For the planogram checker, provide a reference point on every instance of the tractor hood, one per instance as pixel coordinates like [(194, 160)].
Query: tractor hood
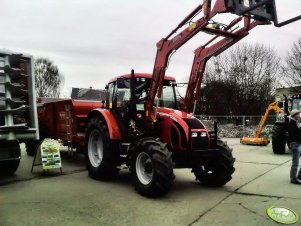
[(174, 113)]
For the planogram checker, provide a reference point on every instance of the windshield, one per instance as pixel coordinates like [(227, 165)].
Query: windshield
[(296, 104), (168, 95), (123, 94)]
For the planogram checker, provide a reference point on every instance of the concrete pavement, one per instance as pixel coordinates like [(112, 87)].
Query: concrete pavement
[(261, 180)]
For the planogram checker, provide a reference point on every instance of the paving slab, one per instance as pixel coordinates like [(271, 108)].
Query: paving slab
[(246, 173), (274, 183), (70, 164), (244, 210), (258, 154), (76, 199)]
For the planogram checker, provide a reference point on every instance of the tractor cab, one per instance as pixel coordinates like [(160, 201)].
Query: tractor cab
[(296, 101), (126, 97)]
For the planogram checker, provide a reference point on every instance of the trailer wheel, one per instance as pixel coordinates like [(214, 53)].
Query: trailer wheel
[(218, 172), (101, 158), (152, 167), (32, 145), (278, 139), (10, 151)]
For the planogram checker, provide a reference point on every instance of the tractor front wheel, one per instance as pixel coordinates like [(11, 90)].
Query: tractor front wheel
[(217, 172), (152, 167), (10, 154)]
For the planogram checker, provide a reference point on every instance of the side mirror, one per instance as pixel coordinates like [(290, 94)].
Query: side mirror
[(107, 87), (103, 104)]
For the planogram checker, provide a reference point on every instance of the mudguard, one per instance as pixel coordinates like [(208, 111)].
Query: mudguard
[(110, 120)]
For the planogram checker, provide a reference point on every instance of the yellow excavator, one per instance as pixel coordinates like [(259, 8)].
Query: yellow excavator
[(257, 140)]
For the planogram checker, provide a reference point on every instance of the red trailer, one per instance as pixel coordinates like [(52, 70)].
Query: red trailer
[(63, 119)]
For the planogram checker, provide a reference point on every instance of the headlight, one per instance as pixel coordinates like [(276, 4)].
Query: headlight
[(203, 134), (194, 135)]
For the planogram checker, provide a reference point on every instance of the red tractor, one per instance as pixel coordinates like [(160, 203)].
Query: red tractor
[(119, 135), (141, 124)]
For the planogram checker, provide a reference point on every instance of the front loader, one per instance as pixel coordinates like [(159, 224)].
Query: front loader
[(141, 124)]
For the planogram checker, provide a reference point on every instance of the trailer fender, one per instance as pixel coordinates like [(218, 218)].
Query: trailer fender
[(110, 120)]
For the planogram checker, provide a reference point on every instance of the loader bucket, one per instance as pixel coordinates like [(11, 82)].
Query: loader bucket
[(264, 10)]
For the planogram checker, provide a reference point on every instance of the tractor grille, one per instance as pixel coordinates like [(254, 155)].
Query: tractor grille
[(199, 143)]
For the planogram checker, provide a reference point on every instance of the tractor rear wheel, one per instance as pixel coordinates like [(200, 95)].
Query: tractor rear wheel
[(152, 167), (100, 156), (10, 151), (216, 173), (278, 139)]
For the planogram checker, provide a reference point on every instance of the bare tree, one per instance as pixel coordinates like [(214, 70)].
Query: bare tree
[(250, 73), (292, 67), (213, 101), (48, 78)]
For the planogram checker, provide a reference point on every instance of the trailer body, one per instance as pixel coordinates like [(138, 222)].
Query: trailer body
[(65, 119)]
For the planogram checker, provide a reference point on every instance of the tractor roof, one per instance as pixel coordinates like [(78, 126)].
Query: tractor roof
[(296, 96), (140, 75)]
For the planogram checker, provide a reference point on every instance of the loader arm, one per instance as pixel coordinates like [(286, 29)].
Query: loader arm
[(167, 45), (204, 53), (260, 11)]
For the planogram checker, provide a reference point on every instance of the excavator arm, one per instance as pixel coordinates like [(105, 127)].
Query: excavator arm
[(271, 107), (259, 11), (257, 140)]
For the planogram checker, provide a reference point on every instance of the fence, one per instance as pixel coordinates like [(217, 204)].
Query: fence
[(238, 126)]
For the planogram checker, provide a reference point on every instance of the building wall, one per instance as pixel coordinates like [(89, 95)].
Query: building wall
[(289, 91)]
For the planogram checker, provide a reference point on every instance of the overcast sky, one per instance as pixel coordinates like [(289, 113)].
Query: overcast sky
[(93, 40)]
